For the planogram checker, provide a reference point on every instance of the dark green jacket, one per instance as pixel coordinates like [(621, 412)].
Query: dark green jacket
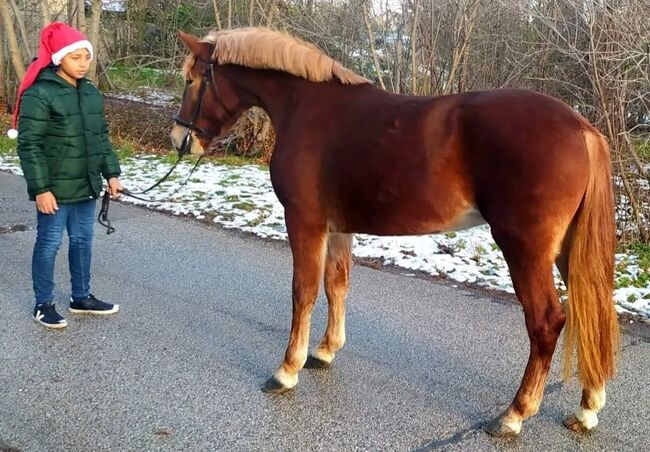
[(63, 141)]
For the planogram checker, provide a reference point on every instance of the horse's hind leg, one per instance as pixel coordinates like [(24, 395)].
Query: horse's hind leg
[(337, 280), (593, 399), (307, 239), (531, 270)]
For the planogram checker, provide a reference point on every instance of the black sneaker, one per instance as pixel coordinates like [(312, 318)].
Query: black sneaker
[(92, 305), (46, 315)]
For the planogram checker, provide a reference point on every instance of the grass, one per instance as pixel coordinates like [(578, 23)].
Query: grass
[(7, 145), (130, 78), (643, 251), (643, 151), (245, 206), (640, 279), (231, 160), (124, 148)]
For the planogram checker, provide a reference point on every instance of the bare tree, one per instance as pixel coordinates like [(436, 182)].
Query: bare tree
[(3, 93), (81, 16), (45, 12), (93, 36), (371, 41), (28, 45), (14, 49), (217, 16)]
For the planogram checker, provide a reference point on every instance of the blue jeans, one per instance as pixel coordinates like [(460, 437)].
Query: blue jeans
[(79, 220)]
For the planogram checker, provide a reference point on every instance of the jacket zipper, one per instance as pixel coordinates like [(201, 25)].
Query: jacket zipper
[(83, 125)]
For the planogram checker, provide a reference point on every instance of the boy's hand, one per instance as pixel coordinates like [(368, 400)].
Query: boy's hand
[(114, 187), (46, 203)]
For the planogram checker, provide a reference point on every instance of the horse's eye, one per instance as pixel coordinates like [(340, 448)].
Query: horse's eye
[(188, 82)]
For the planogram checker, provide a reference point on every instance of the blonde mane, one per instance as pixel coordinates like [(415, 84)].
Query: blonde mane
[(262, 48)]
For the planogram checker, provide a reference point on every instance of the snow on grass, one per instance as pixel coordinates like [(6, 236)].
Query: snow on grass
[(149, 96), (242, 197)]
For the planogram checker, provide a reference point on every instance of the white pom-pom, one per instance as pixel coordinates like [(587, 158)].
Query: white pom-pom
[(12, 133)]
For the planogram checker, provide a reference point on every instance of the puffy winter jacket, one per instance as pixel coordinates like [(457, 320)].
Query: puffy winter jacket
[(63, 141)]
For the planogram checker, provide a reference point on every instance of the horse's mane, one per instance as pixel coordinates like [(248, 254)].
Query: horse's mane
[(262, 48)]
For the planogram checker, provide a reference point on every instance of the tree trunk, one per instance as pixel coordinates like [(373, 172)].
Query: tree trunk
[(371, 41), (45, 12), (18, 19), (271, 14), (14, 49), (414, 60), (81, 16), (93, 36), (217, 17), (72, 13), (229, 14), (3, 76)]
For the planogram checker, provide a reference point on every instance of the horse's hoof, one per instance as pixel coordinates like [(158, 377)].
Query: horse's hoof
[(316, 363), (573, 423), (500, 429), (273, 386)]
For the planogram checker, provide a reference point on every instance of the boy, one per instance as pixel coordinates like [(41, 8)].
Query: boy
[(64, 151)]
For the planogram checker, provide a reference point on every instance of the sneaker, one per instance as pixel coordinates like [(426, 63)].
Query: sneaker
[(46, 315), (91, 305)]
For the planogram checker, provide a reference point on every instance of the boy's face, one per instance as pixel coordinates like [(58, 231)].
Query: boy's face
[(76, 64)]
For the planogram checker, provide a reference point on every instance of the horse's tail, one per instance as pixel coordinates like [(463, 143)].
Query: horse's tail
[(592, 324)]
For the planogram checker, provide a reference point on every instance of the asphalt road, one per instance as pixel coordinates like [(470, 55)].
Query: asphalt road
[(204, 321)]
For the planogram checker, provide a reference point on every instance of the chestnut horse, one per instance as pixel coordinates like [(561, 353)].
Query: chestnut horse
[(352, 158)]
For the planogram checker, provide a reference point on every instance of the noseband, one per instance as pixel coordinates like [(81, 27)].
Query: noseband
[(190, 125)]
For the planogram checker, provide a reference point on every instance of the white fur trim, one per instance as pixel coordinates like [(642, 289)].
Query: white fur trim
[(12, 133), (323, 355), (588, 418), (513, 423), (83, 44), (287, 380)]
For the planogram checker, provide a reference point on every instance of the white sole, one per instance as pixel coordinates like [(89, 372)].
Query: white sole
[(52, 326), (116, 307)]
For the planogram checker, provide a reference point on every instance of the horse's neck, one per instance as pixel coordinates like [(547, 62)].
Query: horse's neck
[(273, 91)]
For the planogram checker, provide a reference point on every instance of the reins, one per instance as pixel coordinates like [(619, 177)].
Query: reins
[(102, 218)]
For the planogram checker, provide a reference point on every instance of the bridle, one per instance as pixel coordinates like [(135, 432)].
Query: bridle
[(208, 76), (184, 149)]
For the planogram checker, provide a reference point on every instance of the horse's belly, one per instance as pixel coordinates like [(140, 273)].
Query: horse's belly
[(401, 222), (463, 218), (467, 219)]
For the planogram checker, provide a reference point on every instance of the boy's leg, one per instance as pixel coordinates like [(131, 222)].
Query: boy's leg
[(49, 232), (80, 225)]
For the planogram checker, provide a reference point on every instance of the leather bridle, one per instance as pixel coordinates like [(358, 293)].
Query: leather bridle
[(184, 149)]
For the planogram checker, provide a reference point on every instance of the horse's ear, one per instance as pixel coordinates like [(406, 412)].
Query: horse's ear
[(194, 45)]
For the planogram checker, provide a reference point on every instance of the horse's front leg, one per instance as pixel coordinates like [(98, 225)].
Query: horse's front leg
[(307, 238)]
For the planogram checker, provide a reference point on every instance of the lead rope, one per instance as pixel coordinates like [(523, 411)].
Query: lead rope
[(102, 218)]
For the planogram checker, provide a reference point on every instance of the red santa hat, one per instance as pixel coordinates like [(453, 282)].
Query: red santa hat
[(57, 40)]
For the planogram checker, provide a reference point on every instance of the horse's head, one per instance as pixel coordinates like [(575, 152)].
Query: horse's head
[(209, 106)]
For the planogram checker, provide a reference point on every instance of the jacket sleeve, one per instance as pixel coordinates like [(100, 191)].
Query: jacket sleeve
[(110, 166), (33, 123)]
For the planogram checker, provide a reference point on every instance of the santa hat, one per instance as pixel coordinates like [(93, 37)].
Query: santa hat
[(57, 40)]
